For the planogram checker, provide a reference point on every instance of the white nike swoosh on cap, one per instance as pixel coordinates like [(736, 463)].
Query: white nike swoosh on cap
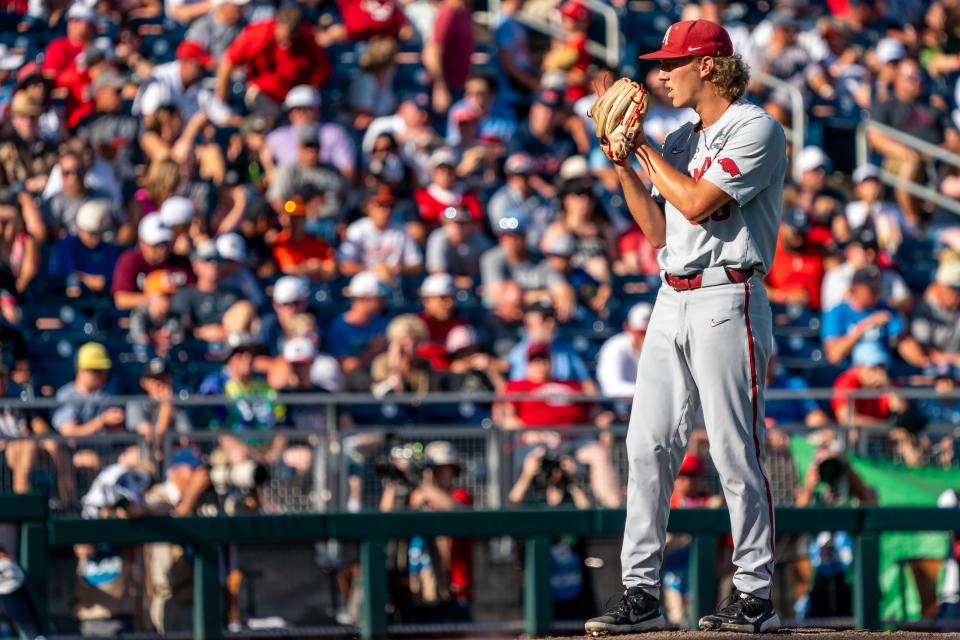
[(694, 48)]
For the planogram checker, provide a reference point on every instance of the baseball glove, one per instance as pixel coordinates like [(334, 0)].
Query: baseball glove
[(618, 112)]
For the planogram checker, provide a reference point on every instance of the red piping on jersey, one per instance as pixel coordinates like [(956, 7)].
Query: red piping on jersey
[(754, 389)]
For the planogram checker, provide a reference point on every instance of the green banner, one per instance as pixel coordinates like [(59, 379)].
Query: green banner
[(896, 485)]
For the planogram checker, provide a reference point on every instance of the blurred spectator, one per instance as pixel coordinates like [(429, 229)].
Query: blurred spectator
[(442, 192), (306, 371), (63, 51), (357, 335), (456, 248), (388, 166), (909, 111), (558, 476), (21, 237), (518, 197), (25, 157), (377, 244), (371, 93), (156, 415), (60, 210), (871, 211), (277, 54), (152, 253), (569, 55), (178, 213), (308, 172), (619, 356), (661, 117), (796, 274), (831, 481), (510, 260), (208, 310), (400, 369), (333, 144), (84, 407), (447, 54), (540, 326), (863, 252), (549, 409), (297, 252), (154, 326), (176, 85), (800, 408), (290, 301), (863, 320), (560, 251), (368, 20), (17, 602), (517, 76), (109, 129), (440, 570), (410, 127), (235, 273), (582, 219), (502, 324), (252, 403), (167, 570), (496, 123), (543, 137), (438, 295), (870, 371), (823, 205), (469, 370), (218, 28), (20, 454), (935, 321)]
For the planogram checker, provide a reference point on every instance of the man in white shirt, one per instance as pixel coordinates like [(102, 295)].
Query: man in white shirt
[(862, 252), (178, 83), (870, 211), (620, 354), (378, 244)]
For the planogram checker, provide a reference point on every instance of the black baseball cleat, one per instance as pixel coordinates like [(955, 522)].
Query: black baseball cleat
[(635, 611), (744, 613)]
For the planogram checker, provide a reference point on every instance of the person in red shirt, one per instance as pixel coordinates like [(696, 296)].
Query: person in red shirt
[(447, 56), (442, 192), (296, 252), (60, 53), (869, 371), (366, 19), (439, 305), (796, 274), (152, 253), (79, 78), (278, 54), (570, 55)]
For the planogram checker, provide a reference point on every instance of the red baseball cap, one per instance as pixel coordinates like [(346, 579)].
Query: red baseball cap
[(692, 465), (193, 50), (693, 38), (575, 11)]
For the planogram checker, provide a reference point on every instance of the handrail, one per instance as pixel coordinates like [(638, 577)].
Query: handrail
[(796, 133), (609, 52), (922, 146)]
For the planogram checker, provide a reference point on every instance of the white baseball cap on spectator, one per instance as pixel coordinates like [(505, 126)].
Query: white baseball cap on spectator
[(299, 350), (518, 163), (437, 285), (560, 244), (302, 97), (81, 11), (948, 274), (440, 453), (638, 319), (325, 373), (865, 172), (890, 50), (93, 215), (813, 158), (364, 285), (232, 246), (177, 210), (9, 60), (574, 168), (153, 231), (290, 289), (443, 156)]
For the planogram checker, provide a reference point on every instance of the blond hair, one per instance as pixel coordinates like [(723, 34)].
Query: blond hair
[(162, 179), (730, 76)]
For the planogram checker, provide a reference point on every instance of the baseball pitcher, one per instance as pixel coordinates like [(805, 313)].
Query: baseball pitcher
[(714, 211)]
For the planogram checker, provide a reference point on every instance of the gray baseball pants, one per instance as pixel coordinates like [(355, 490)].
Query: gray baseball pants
[(706, 350)]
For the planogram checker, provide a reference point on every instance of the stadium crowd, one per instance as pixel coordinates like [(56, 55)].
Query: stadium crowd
[(248, 198)]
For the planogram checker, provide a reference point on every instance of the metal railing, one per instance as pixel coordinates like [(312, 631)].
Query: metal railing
[(922, 147)]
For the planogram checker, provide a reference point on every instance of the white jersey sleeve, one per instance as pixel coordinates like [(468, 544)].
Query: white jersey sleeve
[(749, 159)]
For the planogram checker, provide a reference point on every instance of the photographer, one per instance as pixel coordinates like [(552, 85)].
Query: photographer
[(549, 477), (436, 575), (831, 481)]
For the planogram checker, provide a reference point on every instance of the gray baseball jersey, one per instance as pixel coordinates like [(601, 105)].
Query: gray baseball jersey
[(743, 154), (704, 359)]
